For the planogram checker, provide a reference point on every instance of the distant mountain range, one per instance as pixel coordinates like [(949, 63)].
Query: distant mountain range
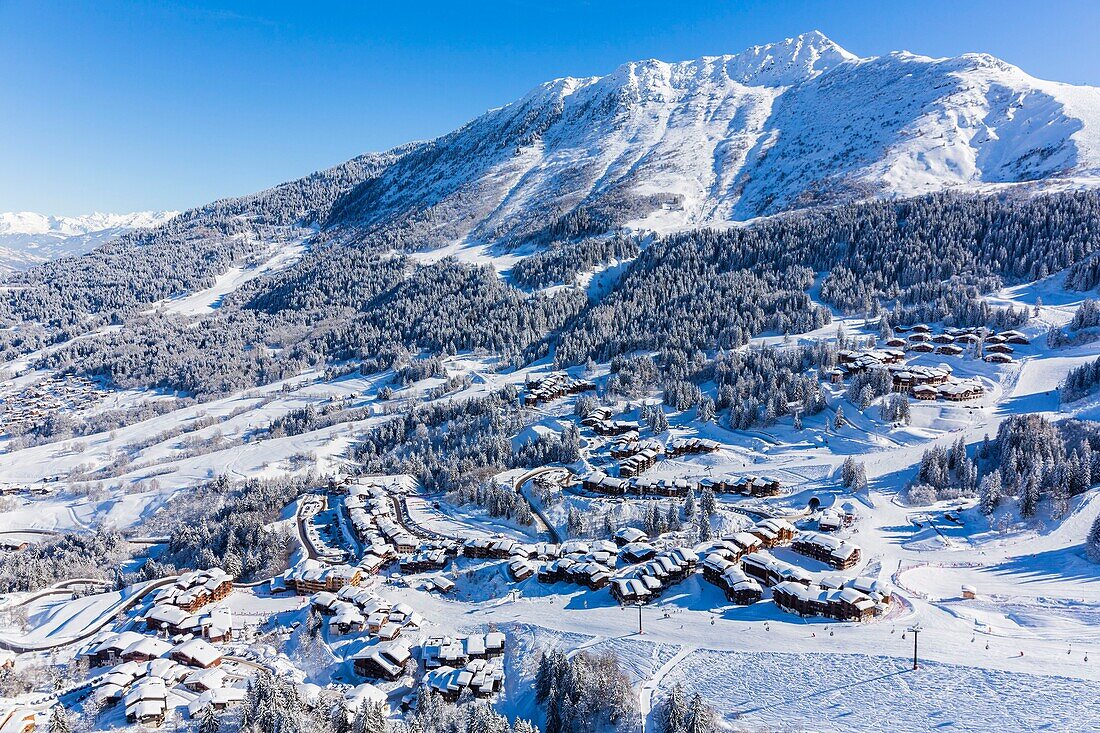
[(28, 239)]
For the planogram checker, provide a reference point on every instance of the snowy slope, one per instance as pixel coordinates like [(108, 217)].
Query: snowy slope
[(792, 124), (28, 238)]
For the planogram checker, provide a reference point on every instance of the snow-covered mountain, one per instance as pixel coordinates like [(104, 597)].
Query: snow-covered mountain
[(787, 125), (27, 238)]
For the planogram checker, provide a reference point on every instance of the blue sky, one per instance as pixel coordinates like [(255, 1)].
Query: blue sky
[(120, 106)]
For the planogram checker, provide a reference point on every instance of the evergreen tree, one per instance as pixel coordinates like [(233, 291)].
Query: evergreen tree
[(60, 720), (1029, 498), (701, 718), (674, 715), (1092, 543), (209, 721), (990, 491)]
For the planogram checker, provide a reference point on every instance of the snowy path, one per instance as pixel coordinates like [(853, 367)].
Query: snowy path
[(648, 687)]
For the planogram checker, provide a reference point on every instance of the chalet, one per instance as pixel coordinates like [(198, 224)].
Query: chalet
[(943, 338), (661, 487), (637, 552), (744, 542), (920, 328), (917, 338), (483, 678), (690, 446), (895, 343), (425, 560), (829, 521), (310, 576), (830, 550), (995, 340), (774, 532), (598, 482), (922, 348), (145, 649), (497, 548), (629, 535), (520, 570), (999, 349), (196, 653), (763, 486), (925, 392), (631, 590), (738, 587), (195, 589), (440, 583), (18, 720), (383, 659), (108, 649), (592, 575), (770, 570), (637, 463), (949, 350), (959, 391), (171, 619), (202, 680), (847, 604), (219, 698), (554, 386), (1014, 337), (999, 359), (615, 427), (346, 619), (147, 702)]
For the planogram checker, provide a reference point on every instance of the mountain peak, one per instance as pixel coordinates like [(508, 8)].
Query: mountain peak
[(788, 61)]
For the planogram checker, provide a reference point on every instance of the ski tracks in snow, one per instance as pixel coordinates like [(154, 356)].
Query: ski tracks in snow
[(648, 687)]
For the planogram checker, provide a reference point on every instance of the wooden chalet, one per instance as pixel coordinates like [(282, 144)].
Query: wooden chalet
[(847, 604), (830, 550), (774, 532), (770, 570)]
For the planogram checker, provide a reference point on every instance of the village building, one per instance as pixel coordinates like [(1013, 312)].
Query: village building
[(220, 698), (830, 550), (310, 576), (774, 532), (18, 720), (770, 570), (196, 653), (847, 604), (385, 659), (195, 589), (629, 535), (727, 574)]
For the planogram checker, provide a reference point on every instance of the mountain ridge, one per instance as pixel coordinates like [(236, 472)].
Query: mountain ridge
[(731, 138)]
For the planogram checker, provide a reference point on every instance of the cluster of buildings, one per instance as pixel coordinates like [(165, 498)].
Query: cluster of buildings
[(311, 576), (554, 386), (641, 456), (845, 599), (828, 549), (354, 610), (30, 407), (457, 664), (598, 482), (740, 565), (178, 608), (176, 652), (145, 669), (923, 382), (650, 579), (599, 420)]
